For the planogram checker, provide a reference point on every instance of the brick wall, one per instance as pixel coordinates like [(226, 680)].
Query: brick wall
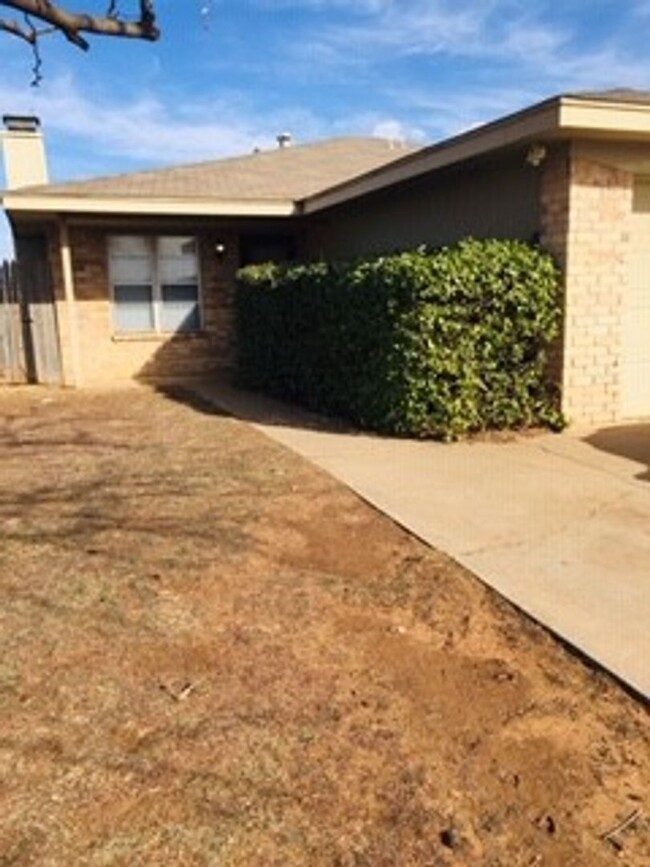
[(104, 357), (586, 213)]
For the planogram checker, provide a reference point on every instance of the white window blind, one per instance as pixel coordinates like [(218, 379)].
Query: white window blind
[(155, 284)]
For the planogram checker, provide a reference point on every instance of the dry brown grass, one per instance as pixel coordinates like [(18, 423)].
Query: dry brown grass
[(213, 654)]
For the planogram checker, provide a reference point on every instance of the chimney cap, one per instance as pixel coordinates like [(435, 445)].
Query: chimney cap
[(21, 123), (284, 139)]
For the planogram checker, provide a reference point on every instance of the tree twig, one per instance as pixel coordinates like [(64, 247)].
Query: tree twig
[(14, 28), (622, 826)]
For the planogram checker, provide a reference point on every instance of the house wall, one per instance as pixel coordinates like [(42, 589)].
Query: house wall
[(579, 203), (586, 221), (94, 355), (496, 198)]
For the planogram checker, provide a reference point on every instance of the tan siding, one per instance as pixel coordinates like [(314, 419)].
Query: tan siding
[(497, 199)]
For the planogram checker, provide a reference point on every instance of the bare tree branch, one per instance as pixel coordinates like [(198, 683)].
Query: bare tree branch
[(74, 24), (15, 29)]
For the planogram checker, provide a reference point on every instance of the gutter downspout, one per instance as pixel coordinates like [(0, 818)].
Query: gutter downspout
[(72, 374)]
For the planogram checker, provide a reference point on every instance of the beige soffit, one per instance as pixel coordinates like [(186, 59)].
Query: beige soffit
[(616, 114), (62, 204), (267, 183), (614, 117)]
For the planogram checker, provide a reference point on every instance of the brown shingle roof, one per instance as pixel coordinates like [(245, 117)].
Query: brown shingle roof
[(290, 173), (617, 94)]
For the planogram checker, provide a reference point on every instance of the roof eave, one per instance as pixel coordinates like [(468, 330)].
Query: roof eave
[(604, 119), (15, 201), (561, 117), (557, 118), (524, 125)]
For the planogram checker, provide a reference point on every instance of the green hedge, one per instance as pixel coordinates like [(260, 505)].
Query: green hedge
[(437, 343)]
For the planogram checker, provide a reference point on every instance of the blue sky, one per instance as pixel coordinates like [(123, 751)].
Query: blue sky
[(228, 75)]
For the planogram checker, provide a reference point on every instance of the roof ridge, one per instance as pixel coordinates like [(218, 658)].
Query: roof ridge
[(207, 164), (286, 173)]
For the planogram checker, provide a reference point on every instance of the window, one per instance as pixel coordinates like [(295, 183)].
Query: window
[(155, 284)]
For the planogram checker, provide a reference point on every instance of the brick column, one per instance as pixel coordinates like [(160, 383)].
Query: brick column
[(586, 214), (63, 320)]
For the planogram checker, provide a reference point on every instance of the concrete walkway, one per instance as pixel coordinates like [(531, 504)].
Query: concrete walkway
[(560, 525)]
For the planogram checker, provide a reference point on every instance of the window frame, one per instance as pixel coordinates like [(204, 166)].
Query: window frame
[(152, 242)]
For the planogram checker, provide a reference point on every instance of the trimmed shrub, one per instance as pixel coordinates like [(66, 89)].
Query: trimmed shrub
[(439, 343)]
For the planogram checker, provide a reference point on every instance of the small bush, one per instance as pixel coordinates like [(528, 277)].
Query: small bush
[(439, 343)]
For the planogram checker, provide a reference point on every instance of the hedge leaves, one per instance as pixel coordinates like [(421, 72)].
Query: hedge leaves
[(437, 343)]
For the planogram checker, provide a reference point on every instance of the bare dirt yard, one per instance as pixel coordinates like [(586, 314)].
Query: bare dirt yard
[(213, 654)]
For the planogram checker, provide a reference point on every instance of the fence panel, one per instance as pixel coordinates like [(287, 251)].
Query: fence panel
[(12, 355)]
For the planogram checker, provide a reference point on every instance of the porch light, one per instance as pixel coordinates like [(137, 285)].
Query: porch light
[(536, 155)]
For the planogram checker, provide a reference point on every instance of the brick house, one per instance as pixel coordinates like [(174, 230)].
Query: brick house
[(136, 272)]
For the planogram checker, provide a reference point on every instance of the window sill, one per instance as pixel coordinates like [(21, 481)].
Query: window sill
[(157, 336)]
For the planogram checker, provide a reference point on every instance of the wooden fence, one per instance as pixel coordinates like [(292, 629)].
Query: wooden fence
[(12, 366)]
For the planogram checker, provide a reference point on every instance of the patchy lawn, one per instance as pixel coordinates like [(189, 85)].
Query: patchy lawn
[(213, 654)]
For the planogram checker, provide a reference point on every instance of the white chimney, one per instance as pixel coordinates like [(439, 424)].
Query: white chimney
[(24, 152)]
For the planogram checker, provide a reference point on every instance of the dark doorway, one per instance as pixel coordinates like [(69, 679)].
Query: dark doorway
[(255, 249)]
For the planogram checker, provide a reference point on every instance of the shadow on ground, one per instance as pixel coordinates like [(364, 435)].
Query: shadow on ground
[(221, 397), (631, 441), (184, 394)]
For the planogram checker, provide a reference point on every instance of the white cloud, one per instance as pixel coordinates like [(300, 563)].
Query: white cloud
[(92, 135), (87, 135), (142, 129), (417, 27), (480, 47), (364, 6), (395, 130), (533, 41), (444, 114)]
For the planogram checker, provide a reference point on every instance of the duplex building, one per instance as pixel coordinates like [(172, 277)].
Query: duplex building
[(133, 275)]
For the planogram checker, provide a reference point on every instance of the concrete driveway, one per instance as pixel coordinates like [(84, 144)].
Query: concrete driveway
[(558, 524)]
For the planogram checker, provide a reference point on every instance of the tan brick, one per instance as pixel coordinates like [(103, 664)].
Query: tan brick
[(589, 234), (105, 357)]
